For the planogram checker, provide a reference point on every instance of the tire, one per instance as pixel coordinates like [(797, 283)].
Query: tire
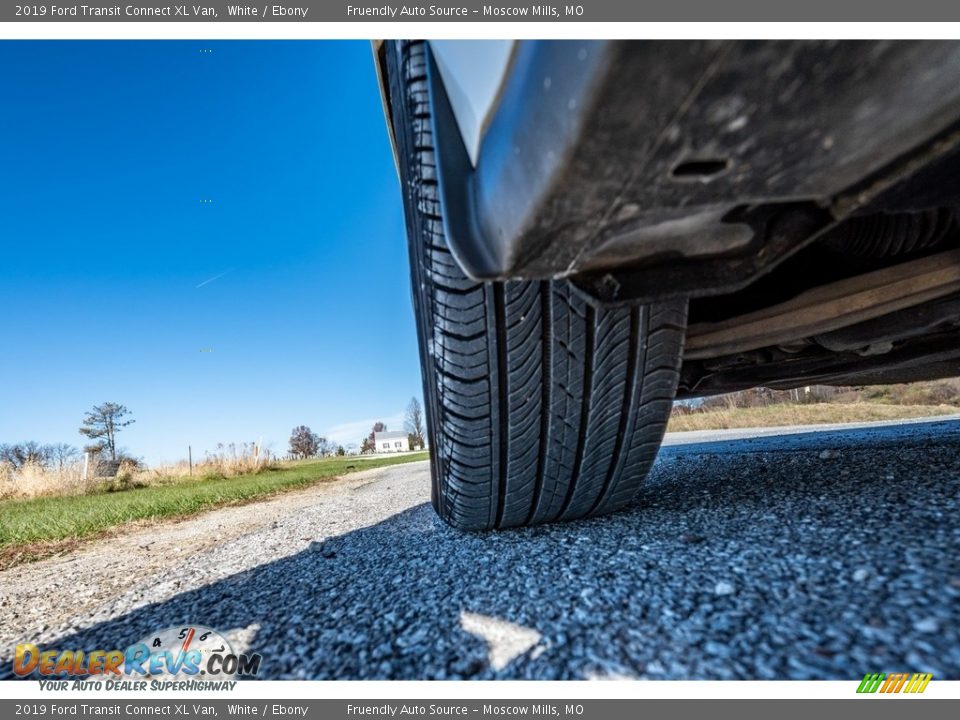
[(540, 405)]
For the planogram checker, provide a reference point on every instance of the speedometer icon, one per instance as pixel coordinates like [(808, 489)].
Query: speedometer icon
[(185, 647)]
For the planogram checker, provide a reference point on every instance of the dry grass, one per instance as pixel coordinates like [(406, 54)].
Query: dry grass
[(35, 480), (812, 414), (227, 461)]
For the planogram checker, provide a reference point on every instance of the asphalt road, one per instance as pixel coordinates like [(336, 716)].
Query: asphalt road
[(819, 555)]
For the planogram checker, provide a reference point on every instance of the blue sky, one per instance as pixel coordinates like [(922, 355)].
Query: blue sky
[(284, 300)]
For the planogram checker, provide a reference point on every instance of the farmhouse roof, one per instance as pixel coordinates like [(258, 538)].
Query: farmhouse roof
[(391, 435)]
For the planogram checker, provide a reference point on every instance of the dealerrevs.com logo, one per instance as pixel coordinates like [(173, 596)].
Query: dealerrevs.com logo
[(189, 657), (887, 683)]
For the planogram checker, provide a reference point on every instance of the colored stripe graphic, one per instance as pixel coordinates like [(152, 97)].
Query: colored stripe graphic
[(918, 683), (894, 683), (870, 682)]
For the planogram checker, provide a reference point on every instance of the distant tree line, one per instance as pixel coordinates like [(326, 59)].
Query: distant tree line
[(101, 424), (33, 453), (933, 392)]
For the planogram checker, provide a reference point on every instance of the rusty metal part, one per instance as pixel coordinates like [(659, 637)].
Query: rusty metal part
[(829, 307), (934, 317), (924, 358)]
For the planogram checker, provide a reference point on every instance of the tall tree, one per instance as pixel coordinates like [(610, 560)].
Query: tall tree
[(103, 423), (413, 423), (304, 443)]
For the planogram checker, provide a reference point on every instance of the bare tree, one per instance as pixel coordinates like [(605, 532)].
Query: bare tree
[(327, 447), (304, 443), (413, 423), (103, 423), (25, 453), (62, 454)]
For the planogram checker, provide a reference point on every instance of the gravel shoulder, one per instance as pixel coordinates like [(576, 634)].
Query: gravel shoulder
[(818, 555)]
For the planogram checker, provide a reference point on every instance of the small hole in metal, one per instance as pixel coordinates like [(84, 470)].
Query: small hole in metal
[(700, 169)]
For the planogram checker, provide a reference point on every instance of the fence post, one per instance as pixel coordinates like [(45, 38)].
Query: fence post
[(190, 458), (86, 464)]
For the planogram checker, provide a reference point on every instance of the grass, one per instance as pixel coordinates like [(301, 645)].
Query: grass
[(42, 479), (799, 414), (72, 517)]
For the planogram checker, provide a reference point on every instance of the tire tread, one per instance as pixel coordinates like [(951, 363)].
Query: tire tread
[(540, 405)]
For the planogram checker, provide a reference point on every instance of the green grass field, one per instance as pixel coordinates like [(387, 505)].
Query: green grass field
[(51, 519)]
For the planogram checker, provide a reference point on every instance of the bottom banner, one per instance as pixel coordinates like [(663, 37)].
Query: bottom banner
[(561, 709)]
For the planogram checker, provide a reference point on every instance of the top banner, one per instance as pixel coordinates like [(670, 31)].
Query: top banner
[(473, 11)]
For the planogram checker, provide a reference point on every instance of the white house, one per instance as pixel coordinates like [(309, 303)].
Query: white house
[(391, 442)]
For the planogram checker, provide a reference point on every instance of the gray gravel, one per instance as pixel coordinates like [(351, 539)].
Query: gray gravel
[(752, 557)]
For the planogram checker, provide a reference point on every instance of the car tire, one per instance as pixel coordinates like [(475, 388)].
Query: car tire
[(541, 406)]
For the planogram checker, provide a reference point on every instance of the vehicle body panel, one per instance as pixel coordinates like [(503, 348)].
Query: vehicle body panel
[(604, 153), (473, 73), (743, 176)]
